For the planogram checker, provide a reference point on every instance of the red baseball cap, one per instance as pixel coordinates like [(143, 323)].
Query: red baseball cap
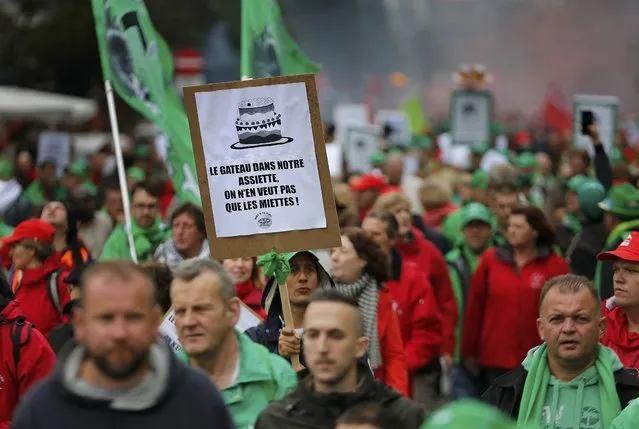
[(33, 229), (368, 181), (628, 250)]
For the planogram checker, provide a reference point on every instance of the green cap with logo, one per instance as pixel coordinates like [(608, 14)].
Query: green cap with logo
[(622, 201), (468, 414), (479, 180), (476, 212)]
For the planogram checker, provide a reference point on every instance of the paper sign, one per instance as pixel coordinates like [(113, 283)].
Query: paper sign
[(55, 147), (400, 123), (247, 320), (361, 142), (604, 110), (262, 167), (346, 115), (471, 115), (334, 155)]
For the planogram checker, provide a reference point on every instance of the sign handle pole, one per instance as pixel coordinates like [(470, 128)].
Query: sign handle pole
[(288, 320), (120, 166)]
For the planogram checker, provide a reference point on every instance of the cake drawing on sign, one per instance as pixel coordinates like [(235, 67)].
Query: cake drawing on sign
[(259, 125)]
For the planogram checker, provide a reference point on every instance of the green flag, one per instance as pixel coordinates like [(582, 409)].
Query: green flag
[(416, 117), (267, 48), (139, 65)]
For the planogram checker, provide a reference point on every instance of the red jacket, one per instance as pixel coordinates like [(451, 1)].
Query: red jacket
[(251, 296), (417, 313), (430, 260), (35, 362), (392, 371), (32, 293), (617, 337), (500, 322)]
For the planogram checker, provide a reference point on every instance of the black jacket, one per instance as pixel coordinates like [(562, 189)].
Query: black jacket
[(188, 400), (506, 392), (305, 408), (585, 246)]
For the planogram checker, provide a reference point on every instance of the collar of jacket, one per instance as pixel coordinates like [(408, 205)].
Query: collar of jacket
[(396, 265), (506, 253)]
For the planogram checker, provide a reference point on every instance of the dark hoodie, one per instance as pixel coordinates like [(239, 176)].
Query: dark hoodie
[(267, 333), (306, 408), (170, 396)]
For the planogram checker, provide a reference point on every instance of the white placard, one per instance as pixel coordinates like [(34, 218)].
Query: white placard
[(471, 117), (604, 109), (55, 147), (247, 320), (346, 115), (9, 193), (361, 142), (334, 156), (399, 121), (260, 160)]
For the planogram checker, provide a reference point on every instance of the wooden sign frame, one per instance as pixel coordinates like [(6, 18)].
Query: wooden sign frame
[(258, 244)]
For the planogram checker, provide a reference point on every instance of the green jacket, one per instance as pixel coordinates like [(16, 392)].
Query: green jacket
[(35, 194), (146, 240), (264, 377), (462, 263), (452, 226)]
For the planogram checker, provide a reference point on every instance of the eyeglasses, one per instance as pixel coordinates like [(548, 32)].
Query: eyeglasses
[(145, 206)]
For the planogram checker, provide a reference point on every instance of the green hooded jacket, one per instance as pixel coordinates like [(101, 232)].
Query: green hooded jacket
[(263, 377), (35, 194), (146, 240)]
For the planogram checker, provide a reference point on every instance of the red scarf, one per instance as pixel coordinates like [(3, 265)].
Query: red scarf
[(251, 296)]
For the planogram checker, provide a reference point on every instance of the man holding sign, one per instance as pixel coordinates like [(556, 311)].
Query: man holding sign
[(206, 311)]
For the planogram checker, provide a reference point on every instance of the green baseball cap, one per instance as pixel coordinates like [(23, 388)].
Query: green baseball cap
[(6, 169), (479, 180), (622, 201), (142, 151), (575, 182), (468, 414), (78, 168), (377, 157), (420, 141), (476, 211), (589, 194), (137, 173), (480, 148), (526, 160)]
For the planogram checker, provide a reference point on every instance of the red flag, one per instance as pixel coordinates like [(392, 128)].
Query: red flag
[(555, 111)]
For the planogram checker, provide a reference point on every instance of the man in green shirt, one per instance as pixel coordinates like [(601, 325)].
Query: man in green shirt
[(146, 227), (206, 311), (452, 226), (477, 230)]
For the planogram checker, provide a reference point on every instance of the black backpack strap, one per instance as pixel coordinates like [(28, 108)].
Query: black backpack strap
[(16, 338), (52, 291)]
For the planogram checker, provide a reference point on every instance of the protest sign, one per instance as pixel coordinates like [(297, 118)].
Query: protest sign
[(345, 115), (168, 331), (55, 147), (334, 155), (398, 120), (470, 114), (262, 166), (361, 142), (603, 110)]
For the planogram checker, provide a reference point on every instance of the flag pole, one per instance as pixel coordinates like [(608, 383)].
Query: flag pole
[(120, 166)]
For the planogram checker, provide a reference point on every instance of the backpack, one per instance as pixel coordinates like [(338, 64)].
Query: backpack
[(17, 326), (52, 290)]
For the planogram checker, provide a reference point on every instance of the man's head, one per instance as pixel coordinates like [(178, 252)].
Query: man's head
[(188, 228), (570, 321), (48, 174), (368, 416), (206, 306), (395, 168), (383, 228), (118, 318), (400, 206), (144, 205), (622, 205), (366, 189), (625, 271), (503, 201), (477, 226), (55, 214), (333, 339), (544, 164), (579, 161)]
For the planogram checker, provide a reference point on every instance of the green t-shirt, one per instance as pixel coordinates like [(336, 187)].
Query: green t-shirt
[(576, 404)]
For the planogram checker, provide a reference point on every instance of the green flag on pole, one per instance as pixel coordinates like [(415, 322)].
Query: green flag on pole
[(267, 48), (415, 113), (139, 65)]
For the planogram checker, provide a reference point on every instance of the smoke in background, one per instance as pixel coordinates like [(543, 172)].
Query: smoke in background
[(585, 46)]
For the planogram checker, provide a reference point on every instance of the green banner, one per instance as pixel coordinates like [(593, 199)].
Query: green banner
[(267, 48), (139, 64)]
